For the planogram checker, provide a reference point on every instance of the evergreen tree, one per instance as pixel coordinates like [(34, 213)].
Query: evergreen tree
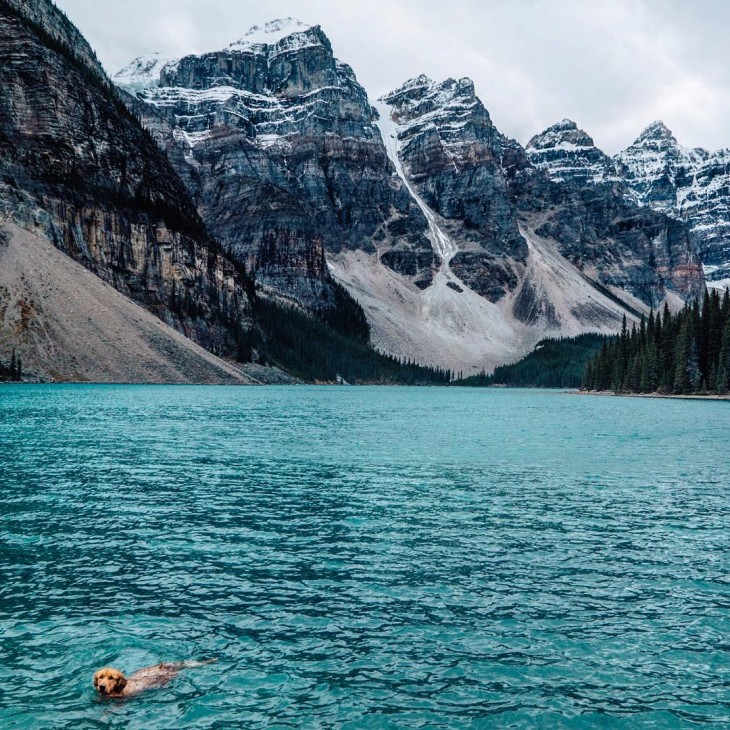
[(723, 369)]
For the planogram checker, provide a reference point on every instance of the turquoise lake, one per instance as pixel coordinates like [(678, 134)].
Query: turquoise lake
[(364, 557)]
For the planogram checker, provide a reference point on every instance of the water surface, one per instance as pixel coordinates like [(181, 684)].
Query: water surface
[(364, 557)]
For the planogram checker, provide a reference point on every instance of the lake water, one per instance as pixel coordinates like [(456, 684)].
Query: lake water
[(364, 557)]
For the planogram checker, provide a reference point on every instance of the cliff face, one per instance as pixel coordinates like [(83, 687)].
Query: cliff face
[(453, 155), (77, 168), (599, 221), (69, 325), (692, 185), (275, 138), (47, 18), (570, 156), (636, 250)]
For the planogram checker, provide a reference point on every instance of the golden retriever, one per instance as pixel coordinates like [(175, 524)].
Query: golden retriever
[(111, 682)]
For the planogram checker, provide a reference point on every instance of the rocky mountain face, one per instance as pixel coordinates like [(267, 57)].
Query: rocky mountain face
[(460, 249), (689, 185), (58, 31), (491, 196), (77, 168), (520, 256), (692, 185), (453, 156), (69, 325), (275, 139), (268, 157), (570, 156)]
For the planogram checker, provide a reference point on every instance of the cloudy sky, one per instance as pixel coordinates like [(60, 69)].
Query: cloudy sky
[(613, 66)]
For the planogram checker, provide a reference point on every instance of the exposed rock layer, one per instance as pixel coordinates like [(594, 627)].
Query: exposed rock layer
[(480, 182), (69, 325), (275, 139)]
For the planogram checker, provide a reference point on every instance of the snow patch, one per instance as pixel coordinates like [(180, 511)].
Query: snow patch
[(142, 73), (273, 33), (389, 130)]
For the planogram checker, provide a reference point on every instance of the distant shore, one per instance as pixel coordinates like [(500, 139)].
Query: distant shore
[(611, 393)]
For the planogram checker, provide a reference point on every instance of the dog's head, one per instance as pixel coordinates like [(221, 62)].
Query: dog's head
[(109, 681)]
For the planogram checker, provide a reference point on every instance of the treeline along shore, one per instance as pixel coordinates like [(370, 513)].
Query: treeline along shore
[(687, 353)]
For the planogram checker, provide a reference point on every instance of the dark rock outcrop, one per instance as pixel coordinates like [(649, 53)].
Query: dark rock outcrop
[(571, 156), (692, 185), (489, 191), (453, 155)]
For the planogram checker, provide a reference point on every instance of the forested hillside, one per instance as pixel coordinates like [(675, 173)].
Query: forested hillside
[(554, 363)]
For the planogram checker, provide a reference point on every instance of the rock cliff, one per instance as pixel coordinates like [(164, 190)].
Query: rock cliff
[(77, 168), (481, 184), (275, 139), (688, 185), (570, 156), (453, 155), (692, 185), (69, 325)]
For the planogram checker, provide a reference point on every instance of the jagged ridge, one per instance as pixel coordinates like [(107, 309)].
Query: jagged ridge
[(691, 185), (277, 141)]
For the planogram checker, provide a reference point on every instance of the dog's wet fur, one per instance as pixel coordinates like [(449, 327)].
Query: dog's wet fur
[(111, 682)]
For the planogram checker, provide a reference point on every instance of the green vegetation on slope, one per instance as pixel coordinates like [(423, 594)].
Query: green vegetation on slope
[(688, 352), (554, 363), (314, 351)]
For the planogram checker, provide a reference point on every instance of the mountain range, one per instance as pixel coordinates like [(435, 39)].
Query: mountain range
[(263, 172), (690, 185)]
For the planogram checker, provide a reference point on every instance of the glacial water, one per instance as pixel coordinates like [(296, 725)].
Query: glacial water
[(364, 557)]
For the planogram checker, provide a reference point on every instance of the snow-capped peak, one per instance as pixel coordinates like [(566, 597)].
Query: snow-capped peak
[(565, 134), (656, 131), (420, 82), (441, 94), (565, 124), (688, 184), (568, 154), (270, 33), (142, 73)]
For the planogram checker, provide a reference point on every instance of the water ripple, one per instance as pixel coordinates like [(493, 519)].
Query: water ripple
[(364, 557)]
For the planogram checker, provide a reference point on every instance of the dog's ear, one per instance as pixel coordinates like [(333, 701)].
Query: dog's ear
[(121, 682)]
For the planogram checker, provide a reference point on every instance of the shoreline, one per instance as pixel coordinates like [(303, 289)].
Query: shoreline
[(613, 394)]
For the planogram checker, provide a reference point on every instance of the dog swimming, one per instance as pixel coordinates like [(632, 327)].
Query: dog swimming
[(110, 682)]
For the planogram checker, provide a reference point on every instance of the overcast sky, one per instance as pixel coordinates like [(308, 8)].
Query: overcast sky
[(613, 66)]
